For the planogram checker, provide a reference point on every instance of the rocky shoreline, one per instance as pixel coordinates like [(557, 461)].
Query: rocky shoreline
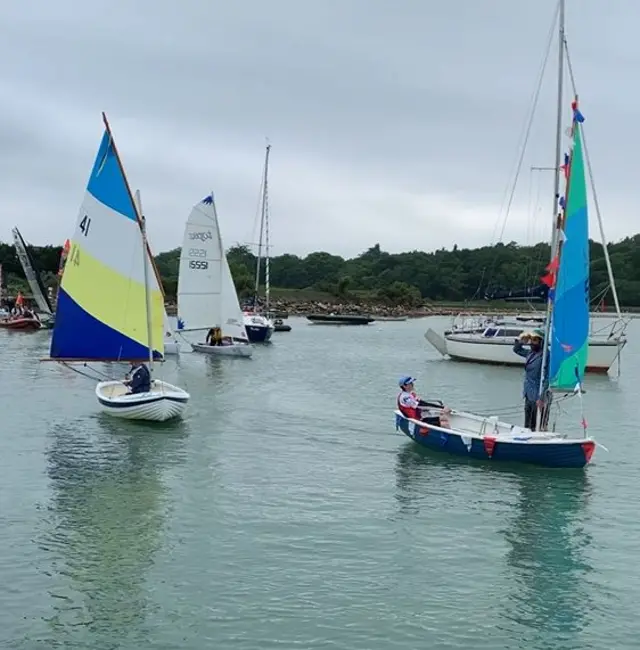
[(285, 308)]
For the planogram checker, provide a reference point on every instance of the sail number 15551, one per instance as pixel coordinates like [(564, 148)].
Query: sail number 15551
[(85, 224)]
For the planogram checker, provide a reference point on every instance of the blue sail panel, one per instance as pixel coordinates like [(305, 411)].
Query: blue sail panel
[(569, 341), (107, 183), (79, 335)]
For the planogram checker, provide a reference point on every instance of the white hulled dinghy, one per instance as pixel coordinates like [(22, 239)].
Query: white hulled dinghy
[(110, 306), (207, 296)]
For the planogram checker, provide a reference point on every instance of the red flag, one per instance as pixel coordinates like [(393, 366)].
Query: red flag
[(552, 268), (549, 279)]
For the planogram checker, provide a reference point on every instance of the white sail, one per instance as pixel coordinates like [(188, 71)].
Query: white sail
[(35, 284), (206, 294), (170, 342)]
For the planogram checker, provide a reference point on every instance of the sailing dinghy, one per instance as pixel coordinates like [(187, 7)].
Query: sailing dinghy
[(32, 274), (566, 337), (110, 306), (259, 326), (206, 293)]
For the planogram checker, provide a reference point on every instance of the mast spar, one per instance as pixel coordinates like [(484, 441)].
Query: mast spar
[(556, 196), (263, 222), (145, 261)]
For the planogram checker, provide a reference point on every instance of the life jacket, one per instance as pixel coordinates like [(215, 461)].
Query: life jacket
[(408, 411)]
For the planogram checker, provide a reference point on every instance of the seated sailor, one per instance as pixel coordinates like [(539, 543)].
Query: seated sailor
[(214, 336), (411, 406), (139, 380)]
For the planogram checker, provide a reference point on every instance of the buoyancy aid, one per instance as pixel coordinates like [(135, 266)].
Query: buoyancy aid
[(408, 410)]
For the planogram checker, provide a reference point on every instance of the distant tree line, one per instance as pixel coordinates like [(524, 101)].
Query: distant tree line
[(456, 275)]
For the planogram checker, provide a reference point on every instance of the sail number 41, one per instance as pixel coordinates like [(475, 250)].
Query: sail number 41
[(85, 224)]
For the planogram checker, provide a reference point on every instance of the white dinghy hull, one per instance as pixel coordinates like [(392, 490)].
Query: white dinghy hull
[(240, 350), (171, 347), (163, 402)]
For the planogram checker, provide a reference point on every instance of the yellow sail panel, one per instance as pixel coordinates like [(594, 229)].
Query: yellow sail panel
[(110, 301)]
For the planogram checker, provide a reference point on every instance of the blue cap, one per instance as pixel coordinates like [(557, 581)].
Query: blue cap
[(403, 381)]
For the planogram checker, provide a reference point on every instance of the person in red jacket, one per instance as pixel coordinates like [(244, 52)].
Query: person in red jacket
[(411, 406)]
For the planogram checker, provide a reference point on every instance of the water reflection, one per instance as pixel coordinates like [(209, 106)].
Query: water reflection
[(412, 471), (546, 565), (419, 469), (105, 524)]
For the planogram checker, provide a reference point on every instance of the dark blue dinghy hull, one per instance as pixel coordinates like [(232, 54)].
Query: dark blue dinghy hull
[(259, 333), (556, 452)]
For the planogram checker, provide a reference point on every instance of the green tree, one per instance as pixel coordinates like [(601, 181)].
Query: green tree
[(458, 275)]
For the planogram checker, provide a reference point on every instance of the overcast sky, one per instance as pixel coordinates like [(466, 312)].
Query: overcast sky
[(391, 121)]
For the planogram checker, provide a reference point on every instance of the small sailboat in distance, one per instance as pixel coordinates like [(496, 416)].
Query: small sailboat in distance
[(207, 296), (259, 325), (31, 272), (110, 306)]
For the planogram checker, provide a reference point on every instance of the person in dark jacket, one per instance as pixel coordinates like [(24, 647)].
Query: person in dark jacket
[(140, 378), (534, 399)]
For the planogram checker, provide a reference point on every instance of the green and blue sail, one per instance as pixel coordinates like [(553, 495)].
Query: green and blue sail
[(569, 339)]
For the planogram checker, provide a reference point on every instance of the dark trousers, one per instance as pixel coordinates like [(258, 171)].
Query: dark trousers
[(531, 415)]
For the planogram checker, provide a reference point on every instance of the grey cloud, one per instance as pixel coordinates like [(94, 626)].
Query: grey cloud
[(394, 122)]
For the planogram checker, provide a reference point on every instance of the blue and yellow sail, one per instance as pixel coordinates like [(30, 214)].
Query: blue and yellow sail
[(101, 310), (569, 340)]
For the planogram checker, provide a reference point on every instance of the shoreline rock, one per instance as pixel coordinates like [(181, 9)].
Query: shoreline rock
[(284, 308)]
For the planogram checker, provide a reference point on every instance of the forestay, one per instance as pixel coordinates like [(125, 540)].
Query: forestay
[(101, 310), (206, 294)]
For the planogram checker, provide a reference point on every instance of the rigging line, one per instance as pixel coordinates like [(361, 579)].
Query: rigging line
[(536, 97), (533, 265), (98, 372), (526, 128), (526, 132), (186, 340), (80, 372), (596, 203), (258, 214)]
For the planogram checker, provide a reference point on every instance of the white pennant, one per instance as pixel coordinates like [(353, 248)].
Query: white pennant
[(467, 441)]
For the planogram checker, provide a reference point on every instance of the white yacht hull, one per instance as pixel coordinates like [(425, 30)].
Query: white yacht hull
[(471, 347), (163, 402), (235, 350)]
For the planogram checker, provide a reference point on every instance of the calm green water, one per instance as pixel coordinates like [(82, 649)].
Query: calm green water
[(286, 512)]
